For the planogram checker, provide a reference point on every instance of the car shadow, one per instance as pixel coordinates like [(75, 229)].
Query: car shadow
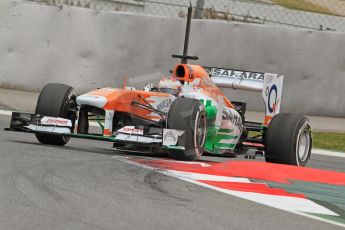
[(112, 152)]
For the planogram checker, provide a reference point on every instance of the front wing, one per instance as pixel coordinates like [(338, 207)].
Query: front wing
[(139, 135)]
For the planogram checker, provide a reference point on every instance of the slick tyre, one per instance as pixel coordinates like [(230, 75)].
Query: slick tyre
[(288, 140), (56, 100), (188, 115)]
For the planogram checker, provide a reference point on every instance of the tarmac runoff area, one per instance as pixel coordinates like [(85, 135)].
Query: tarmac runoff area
[(86, 185)]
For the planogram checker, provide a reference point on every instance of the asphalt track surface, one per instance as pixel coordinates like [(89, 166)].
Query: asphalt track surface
[(83, 186)]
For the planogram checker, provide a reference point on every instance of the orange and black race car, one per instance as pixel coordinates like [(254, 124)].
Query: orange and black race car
[(185, 115)]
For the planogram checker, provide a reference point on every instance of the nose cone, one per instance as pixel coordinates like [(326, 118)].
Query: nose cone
[(93, 100)]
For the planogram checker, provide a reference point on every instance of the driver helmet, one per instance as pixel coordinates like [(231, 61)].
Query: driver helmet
[(169, 85)]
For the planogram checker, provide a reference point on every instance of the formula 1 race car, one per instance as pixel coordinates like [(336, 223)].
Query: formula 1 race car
[(185, 115)]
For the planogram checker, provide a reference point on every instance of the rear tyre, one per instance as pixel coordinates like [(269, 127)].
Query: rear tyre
[(188, 115), (288, 140), (56, 100)]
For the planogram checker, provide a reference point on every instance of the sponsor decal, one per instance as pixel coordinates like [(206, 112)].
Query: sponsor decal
[(170, 136), (131, 130), (272, 94), (232, 116), (272, 106), (164, 104), (109, 115), (219, 72), (56, 121)]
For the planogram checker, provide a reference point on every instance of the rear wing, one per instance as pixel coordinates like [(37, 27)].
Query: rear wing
[(270, 85)]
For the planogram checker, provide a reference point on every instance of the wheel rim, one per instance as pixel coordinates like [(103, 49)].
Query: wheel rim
[(201, 131), (303, 142), (200, 134)]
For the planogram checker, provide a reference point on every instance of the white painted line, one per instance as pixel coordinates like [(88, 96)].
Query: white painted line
[(207, 177), (327, 153), (5, 112)]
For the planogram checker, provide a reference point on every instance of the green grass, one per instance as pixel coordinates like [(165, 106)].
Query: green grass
[(329, 141), (304, 6)]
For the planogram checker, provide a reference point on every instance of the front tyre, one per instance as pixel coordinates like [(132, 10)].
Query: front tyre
[(56, 100), (188, 115), (288, 140)]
